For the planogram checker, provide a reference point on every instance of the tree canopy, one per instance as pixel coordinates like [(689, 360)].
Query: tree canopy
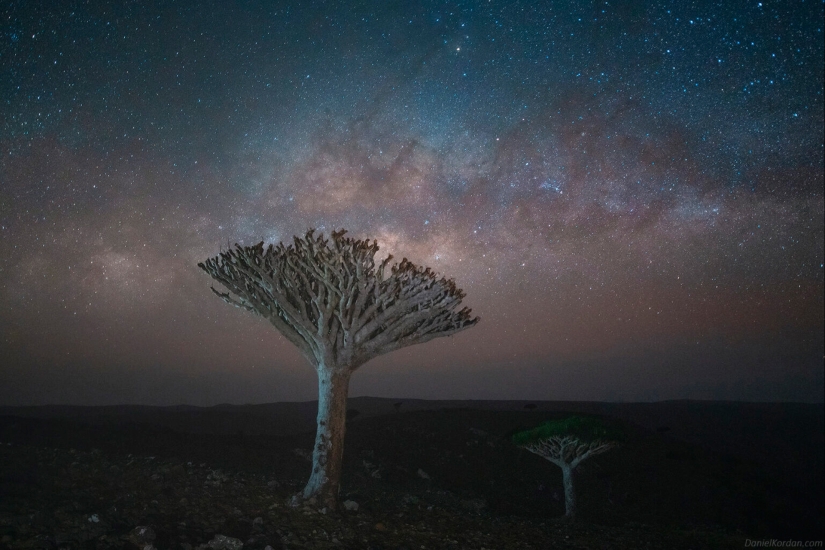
[(330, 299), (584, 428)]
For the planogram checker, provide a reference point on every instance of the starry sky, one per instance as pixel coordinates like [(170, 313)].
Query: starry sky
[(629, 192)]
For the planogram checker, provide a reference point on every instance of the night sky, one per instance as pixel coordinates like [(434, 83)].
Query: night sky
[(630, 193)]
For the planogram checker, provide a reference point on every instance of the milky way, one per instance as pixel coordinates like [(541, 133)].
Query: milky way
[(630, 193)]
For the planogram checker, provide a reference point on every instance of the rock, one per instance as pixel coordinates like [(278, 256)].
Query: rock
[(258, 521), (222, 542), (94, 518), (422, 474), (142, 536), (36, 543), (303, 453), (351, 505), (380, 527), (474, 504)]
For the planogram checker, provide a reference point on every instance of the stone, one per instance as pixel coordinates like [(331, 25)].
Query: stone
[(350, 505), (222, 542), (142, 535), (474, 504), (422, 474), (303, 453)]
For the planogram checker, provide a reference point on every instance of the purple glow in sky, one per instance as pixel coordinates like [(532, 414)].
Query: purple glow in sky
[(631, 194)]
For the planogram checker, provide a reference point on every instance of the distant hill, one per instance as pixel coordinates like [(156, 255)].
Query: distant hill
[(752, 431)]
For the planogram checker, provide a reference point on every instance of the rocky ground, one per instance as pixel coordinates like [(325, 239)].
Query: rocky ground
[(59, 497)]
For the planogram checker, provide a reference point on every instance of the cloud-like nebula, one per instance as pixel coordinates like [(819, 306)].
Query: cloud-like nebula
[(631, 198)]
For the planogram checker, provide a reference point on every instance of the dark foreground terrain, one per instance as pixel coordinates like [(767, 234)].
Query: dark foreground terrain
[(688, 475)]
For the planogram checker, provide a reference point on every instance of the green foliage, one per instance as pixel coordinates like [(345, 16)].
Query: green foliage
[(584, 428)]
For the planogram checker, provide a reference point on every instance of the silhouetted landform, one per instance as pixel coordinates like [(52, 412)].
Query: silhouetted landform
[(777, 435), (745, 470)]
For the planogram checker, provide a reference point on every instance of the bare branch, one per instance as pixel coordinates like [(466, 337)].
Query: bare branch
[(328, 297), (568, 450)]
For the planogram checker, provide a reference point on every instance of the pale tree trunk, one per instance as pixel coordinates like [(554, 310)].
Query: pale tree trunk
[(333, 386), (569, 492)]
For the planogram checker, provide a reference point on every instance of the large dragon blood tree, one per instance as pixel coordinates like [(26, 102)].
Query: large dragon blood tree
[(340, 310)]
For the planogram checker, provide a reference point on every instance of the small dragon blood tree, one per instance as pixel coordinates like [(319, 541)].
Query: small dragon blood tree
[(340, 310), (567, 443)]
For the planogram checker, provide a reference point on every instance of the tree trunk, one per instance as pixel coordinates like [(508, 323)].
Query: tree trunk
[(323, 484), (569, 493)]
